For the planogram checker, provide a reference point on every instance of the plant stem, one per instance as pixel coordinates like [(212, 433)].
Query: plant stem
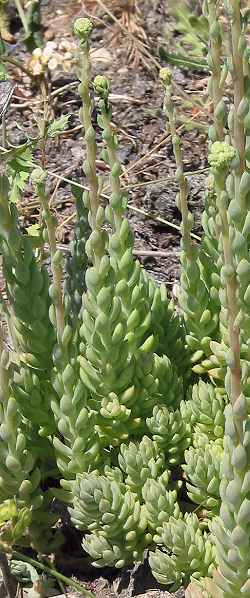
[(182, 61), (232, 302), (85, 115), (215, 55), (114, 163), (9, 579), (70, 582), (18, 64), (56, 266), (4, 375), (238, 82), (44, 122), (22, 16), (180, 176)]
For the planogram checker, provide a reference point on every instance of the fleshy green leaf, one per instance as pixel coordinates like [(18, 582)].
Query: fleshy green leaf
[(58, 126)]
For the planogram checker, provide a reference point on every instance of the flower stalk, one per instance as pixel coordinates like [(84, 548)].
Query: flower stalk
[(187, 220), (211, 9), (39, 177), (83, 28)]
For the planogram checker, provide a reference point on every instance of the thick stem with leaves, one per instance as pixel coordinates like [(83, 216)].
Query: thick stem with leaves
[(83, 28), (39, 178), (220, 158), (187, 220), (211, 8), (240, 106), (231, 528), (199, 308)]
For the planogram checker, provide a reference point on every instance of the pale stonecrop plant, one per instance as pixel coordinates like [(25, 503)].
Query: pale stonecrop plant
[(106, 387)]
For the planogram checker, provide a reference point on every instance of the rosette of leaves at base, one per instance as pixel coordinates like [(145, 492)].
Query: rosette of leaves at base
[(156, 381), (186, 552), (151, 374), (202, 468), (114, 517), (171, 433)]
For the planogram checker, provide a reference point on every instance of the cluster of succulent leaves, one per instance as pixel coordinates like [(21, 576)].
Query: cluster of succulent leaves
[(113, 399)]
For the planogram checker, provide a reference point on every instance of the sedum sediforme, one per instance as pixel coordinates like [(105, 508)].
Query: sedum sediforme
[(30, 330), (77, 262), (118, 363), (198, 305), (114, 516), (202, 468), (132, 421), (186, 552), (19, 475), (132, 387), (170, 432), (125, 507), (142, 462), (205, 409)]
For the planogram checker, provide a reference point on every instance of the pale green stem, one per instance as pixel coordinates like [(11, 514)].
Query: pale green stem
[(180, 176), (4, 374), (238, 84), (232, 304), (9, 580), (68, 581), (22, 16), (115, 183), (56, 267), (85, 114), (215, 53)]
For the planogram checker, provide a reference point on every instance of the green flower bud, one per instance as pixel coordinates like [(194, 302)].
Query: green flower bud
[(166, 76), (221, 155), (38, 176), (83, 29), (101, 86)]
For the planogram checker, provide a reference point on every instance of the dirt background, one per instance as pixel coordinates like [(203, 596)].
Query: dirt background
[(131, 62), (126, 50)]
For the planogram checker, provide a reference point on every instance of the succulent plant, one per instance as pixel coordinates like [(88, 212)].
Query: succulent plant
[(131, 403)]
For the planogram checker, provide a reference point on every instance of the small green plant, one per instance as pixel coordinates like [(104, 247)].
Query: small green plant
[(110, 392), (191, 26)]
